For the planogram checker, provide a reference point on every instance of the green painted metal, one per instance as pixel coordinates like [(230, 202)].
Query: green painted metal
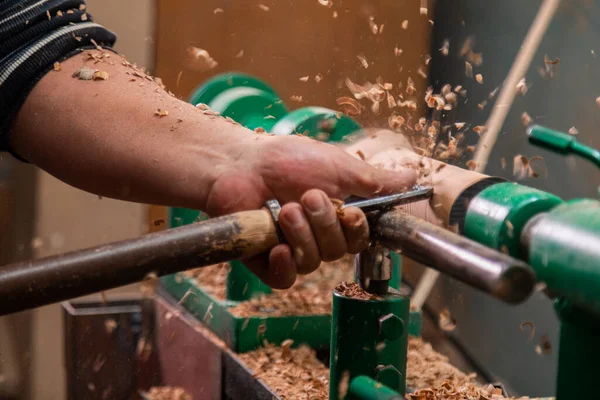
[(246, 334), (251, 107), (242, 284), (370, 338), (564, 251), (317, 122), (415, 323), (578, 351), (364, 388), (497, 215), (210, 89), (562, 143)]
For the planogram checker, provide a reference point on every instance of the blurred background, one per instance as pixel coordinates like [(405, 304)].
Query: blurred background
[(280, 42)]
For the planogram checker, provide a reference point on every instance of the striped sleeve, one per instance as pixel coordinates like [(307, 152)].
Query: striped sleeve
[(34, 34)]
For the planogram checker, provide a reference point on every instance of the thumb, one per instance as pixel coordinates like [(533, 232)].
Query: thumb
[(361, 179)]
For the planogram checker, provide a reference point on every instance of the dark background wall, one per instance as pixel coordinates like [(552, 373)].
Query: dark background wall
[(488, 329)]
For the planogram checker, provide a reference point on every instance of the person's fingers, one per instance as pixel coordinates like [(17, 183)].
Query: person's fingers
[(356, 229), (297, 231), (276, 269), (325, 225), (358, 178)]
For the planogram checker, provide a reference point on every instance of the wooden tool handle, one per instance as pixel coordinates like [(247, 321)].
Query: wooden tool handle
[(52, 279)]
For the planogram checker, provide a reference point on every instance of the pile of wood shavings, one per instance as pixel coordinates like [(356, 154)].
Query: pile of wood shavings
[(167, 393), (290, 373), (310, 295), (351, 289), (426, 367), (281, 368), (212, 279), (448, 391)]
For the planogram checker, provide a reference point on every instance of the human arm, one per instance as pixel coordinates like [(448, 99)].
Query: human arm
[(104, 137)]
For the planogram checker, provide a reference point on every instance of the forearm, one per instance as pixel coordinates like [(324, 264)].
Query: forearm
[(106, 138)]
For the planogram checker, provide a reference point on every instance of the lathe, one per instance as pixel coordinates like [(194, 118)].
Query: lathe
[(504, 239)]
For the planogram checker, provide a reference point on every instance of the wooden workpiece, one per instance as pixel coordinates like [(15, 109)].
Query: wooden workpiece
[(390, 150)]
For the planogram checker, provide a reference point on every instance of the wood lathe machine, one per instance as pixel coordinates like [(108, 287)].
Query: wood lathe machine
[(505, 239)]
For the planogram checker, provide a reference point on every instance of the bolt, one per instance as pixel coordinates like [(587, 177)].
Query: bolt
[(389, 376), (391, 326)]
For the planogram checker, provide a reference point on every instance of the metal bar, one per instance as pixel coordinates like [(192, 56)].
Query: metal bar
[(381, 203), (52, 279), (486, 269)]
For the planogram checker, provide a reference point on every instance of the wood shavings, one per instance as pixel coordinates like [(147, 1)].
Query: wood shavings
[(472, 165), (351, 289), (445, 321), (199, 60), (335, 14), (545, 345), (304, 78), (240, 54), (522, 87), (350, 106), (525, 119), (479, 78), (449, 391), (427, 59), (523, 167), (479, 129), (423, 8), (326, 3), (217, 10), (310, 295), (167, 393), (573, 131), (84, 17), (531, 329), (48, 15), (292, 373), (471, 149), (421, 73), (263, 7), (161, 113), (426, 367), (468, 69), (100, 76), (459, 125), (391, 101), (548, 61), (445, 49), (363, 60), (405, 24), (395, 122), (318, 78), (148, 285), (360, 155), (296, 98), (57, 66), (110, 325), (397, 51), (84, 74), (503, 162), (373, 26)]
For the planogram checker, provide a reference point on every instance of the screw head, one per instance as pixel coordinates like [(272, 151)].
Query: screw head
[(391, 326), (389, 376)]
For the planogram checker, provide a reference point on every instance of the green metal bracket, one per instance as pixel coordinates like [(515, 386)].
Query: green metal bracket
[(365, 388), (578, 366), (370, 338), (497, 215), (562, 143), (564, 251)]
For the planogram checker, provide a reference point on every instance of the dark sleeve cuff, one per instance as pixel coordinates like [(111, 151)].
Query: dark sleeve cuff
[(30, 44)]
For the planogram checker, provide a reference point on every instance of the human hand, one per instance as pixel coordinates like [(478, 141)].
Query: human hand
[(303, 174)]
